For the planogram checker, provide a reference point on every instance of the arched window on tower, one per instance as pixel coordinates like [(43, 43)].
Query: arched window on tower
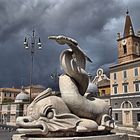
[(137, 49), (124, 49)]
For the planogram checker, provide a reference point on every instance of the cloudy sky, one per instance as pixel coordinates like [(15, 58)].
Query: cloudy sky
[(93, 23)]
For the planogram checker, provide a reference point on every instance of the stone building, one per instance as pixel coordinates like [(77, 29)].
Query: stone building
[(11, 110), (125, 77), (14, 102), (8, 94)]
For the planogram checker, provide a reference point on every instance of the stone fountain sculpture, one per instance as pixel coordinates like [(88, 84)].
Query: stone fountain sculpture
[(70, 113)]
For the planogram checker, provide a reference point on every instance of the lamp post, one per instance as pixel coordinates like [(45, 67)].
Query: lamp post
[(54, 76), (32, 43)]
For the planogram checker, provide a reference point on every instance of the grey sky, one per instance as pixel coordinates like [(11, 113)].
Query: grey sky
[(93, 23)]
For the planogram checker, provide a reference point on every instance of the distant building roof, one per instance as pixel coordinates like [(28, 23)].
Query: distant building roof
[(22, 97), (35, 86), (126, 63), (11, 90), (103, 83)]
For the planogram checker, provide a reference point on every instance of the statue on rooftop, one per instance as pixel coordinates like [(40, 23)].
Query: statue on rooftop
[(72, 112)]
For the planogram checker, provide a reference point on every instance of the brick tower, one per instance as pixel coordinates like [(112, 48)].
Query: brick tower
[(129, 43)]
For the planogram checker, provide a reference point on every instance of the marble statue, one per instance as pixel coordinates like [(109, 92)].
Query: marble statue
[(70, 112)]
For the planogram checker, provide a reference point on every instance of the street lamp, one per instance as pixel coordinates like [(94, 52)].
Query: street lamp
[(55, 75), (32, 43)]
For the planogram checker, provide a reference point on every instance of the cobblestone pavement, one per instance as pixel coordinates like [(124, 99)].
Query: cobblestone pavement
[(133, 133), (6, 132)]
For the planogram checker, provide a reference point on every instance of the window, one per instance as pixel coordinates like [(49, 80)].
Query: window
[(125, 88), (137, 48), (103, 92), (124, 49), (115, 89), (116, 105), (136, 72), (9, 94), (115, 76), (124, 74), (137, 87), (116, 117), (126, 104), (138, 117), (138, 104)]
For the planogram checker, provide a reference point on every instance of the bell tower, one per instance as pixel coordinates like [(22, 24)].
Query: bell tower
[(129, 43)]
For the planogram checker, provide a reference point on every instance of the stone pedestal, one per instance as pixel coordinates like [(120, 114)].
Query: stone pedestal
[(118, 136)]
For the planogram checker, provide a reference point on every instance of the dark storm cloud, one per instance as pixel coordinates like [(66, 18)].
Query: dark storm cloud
[(93, 23)]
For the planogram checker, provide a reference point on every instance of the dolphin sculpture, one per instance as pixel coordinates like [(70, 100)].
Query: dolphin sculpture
[(72, 111)]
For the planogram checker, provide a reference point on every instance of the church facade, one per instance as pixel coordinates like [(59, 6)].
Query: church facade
[(125, 77)]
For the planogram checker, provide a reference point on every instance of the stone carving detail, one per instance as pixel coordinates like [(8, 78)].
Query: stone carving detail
[(72, 111)]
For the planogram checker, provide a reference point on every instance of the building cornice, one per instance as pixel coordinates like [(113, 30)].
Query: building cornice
[(128, 37), (125, 109), (127, 64), (121, 95), (125, 95), (11, 90)]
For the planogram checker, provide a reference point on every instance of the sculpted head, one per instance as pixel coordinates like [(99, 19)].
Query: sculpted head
[(47, 113)]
